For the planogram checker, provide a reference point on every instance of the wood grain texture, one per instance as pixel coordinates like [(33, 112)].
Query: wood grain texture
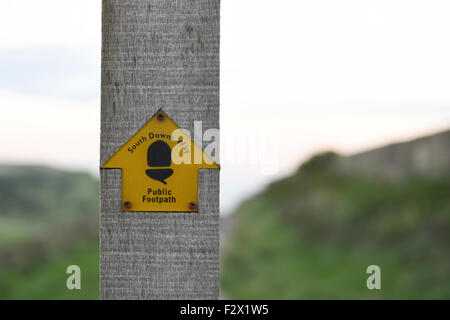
[(158, 54)]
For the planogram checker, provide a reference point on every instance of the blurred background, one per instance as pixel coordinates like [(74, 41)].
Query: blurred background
[(351, 98)]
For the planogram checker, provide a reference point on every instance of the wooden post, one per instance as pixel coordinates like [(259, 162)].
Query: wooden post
[(158, 54)]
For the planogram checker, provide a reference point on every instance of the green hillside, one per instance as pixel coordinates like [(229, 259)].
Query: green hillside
[(48, 221), (312, 235)]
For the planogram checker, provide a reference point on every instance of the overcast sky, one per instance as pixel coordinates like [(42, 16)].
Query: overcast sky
[(304, 76)]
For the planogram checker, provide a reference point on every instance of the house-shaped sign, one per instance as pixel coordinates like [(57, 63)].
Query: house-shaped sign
[(160, 166)]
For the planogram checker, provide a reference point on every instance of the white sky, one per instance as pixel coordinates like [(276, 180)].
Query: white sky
[(313, 75)]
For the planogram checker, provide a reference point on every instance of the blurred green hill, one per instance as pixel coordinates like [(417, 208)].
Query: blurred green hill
[(48, 221), (310, 235), (313, 234)]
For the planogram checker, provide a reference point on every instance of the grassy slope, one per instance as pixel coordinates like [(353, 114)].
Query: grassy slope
[(48, 221), (314, 234), (47, 279)]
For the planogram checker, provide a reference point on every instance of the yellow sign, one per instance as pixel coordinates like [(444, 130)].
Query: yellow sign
[(160, 166)]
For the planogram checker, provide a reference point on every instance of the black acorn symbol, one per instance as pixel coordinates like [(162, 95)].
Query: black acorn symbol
[(159, 154)]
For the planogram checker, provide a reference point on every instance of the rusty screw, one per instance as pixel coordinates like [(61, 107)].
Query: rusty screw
[(192, 205), (127, 205), (160, 116)]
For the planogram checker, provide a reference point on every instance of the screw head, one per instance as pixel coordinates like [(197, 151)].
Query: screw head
[(127, 205), (192, 205), (160, 116)]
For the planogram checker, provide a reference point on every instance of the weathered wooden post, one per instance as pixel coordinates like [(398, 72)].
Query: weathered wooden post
[(157, 55)]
